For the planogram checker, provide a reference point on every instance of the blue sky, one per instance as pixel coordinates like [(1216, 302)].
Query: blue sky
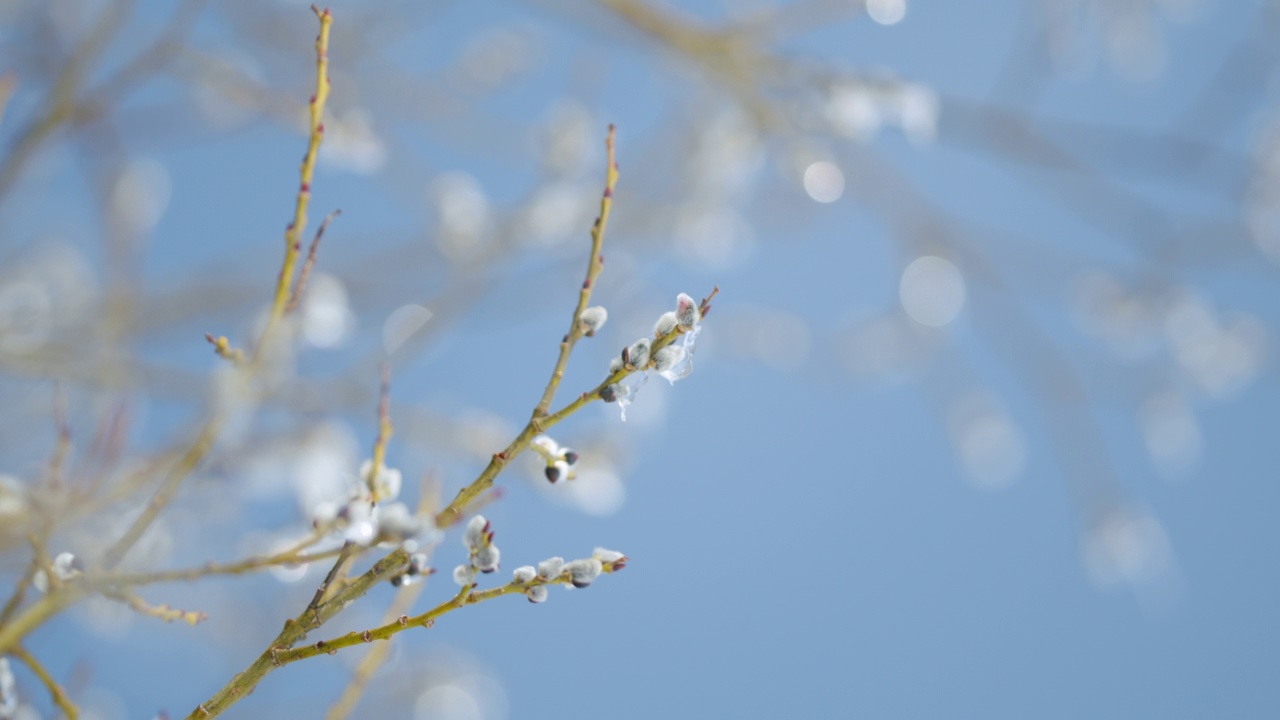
[(1050, 495)]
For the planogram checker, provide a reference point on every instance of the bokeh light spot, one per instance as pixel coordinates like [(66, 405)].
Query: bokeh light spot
[(932, 291), (824, 181)]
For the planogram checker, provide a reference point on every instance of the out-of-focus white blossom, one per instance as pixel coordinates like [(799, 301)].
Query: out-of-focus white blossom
[(823, 181), (139, 196), (8, 690), (66, 566), (932, 291), (13, 499), (350, 142), (385, 485), (418, 563), (402, 324), (860, 109), (887, 12), (463, 217), (326, 319), (397, 523)]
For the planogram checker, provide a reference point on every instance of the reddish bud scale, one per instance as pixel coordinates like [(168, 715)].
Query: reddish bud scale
[(320, 128), (608, 192), (306, 188)]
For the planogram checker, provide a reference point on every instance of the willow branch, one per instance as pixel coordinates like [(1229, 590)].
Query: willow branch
[(371, 662), (295, 630), (208, 434), (537, 424)]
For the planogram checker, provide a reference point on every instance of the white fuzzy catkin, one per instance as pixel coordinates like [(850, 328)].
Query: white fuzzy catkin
[(666, 323), (638, 353), (486, 558), (688, 313), (583, 572), (592, 319), (464, 575), (606, 555), (551, 568), (475, 535)]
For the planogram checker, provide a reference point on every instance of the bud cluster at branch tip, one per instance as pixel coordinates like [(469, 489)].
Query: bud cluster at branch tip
[(669, 353)]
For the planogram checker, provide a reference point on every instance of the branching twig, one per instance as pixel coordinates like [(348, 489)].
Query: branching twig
[(305, 273), (467, 596), (537, 423), (295, 630), (369, 664), (209, 433), (293, 234)]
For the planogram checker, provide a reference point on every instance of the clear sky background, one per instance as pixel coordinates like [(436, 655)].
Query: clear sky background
[(982, 423)]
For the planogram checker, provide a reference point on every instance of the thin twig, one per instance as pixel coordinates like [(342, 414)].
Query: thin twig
[(288, 557), (56, 691), (204, 440), (385, 428), (293, 234), (468, 494), (305, 273), (343, 555), (295, 630), (467, 596), (369, 664)]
